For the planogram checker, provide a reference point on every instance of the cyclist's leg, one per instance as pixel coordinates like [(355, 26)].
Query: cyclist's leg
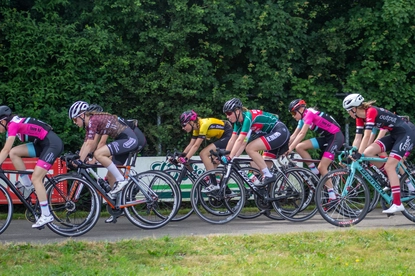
[(313, 143)]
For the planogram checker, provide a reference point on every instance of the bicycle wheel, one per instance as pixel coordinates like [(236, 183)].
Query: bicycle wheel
[(185, 207), (153, 197), (310, 181), (408, 197), (220, 206), (255, 205), (74, 204), (352, 202), (287, 193), (6, 207)]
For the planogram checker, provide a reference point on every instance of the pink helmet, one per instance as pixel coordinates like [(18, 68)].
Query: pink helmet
[(187, 116)]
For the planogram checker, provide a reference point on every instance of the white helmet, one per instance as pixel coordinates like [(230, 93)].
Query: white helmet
[(77, 109), (352, 100)]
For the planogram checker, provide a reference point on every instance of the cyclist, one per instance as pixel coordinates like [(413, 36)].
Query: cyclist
[(399, 140), (204, 129), (98, 124), (331, 137), (42, 142), (141, 140), (255, 130)]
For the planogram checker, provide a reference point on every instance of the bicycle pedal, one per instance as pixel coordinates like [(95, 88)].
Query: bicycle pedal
[(389, 215)]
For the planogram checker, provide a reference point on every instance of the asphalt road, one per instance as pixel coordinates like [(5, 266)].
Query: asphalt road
[(20, 231)]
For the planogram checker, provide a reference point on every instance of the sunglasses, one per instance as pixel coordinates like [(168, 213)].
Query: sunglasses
[(74, 120), (229, 113), (184, 124), (293, 113)]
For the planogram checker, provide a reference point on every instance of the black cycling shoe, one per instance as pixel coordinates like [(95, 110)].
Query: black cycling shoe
[(267, 180)]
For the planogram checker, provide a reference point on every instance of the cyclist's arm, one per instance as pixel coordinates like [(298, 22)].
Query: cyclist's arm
[(194, 147), (190, 145), (102, 140), (239, 146), (231, 142), (294, 135), (299, 137), (89, 146), (357, 140), (382, 133), (365, 140), (6, 149)]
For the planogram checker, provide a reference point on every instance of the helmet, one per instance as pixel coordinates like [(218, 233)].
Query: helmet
[(296, 104), (232, 104), (77, 109), (187, 116), (352, 100), (95, 107), (5, 112)]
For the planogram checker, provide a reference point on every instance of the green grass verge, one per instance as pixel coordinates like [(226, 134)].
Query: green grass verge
[(350, 252)]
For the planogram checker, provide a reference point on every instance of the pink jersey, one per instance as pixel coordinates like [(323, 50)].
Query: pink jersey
[(320, 122), (27, 129)]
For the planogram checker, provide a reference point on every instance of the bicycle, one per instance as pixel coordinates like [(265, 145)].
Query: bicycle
[(149, 200), (64, 228), (353, 195), (223, 205), (180, 174)]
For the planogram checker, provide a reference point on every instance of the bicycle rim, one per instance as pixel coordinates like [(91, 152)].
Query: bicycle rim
[(6, 207)]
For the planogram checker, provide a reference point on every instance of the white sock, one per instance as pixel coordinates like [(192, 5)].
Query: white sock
[(44, 207), (410, 185), (266, 172), (313, 169), (25, 180), (115, 172), (332, 195)]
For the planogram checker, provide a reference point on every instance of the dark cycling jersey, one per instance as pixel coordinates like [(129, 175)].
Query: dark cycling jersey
[(379, 118), (104, 124)]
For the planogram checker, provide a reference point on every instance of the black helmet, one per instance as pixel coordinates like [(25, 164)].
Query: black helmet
[(232, 104), (95, 107), (296, 104), (5, 112)]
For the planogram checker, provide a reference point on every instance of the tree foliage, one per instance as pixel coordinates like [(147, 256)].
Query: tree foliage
[(152, 60)]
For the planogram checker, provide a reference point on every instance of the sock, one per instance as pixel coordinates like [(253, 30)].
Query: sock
[(396, 193), (410, 185), (25, 180), (218, 179), (332, 195), (266, 172), (313, 168), (44, 207), (115, 172)]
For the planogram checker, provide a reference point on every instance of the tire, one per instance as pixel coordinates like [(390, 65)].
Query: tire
[(221, 206), (310, 181), (156, 212), (408, 197), (6, 206), (254, 205), (348, 209), (185, 207), (74, 204), (287, 193)]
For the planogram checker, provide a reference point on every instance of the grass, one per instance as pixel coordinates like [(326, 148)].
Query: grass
[(350, 252)]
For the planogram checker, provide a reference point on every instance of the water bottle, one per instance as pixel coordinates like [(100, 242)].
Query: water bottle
[(104, 185), (253, 178)]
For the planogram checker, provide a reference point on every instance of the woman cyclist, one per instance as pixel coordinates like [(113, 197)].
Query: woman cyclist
[(254, 131), (399, 140), (42, 142), (96, 125), (204, 129)]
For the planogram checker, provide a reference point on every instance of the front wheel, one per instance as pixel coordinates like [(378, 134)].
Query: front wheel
[(74, 204), (6, 207), (352, 198), (220, 206)]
